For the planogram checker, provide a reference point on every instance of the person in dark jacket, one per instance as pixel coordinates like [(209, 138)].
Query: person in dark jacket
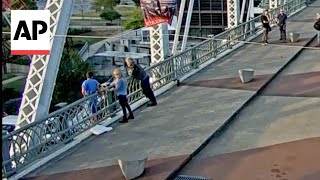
[(138, 73), (281, 22), (266, 26)]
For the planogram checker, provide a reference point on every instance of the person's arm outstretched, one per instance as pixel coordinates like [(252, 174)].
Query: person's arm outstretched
[(83, 91)]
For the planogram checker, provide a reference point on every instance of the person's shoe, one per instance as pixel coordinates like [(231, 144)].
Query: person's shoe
[(124, 120), (130, 116), (152, 104), (280, 39)]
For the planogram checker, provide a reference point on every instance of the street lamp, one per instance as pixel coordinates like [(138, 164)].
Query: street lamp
[(102, 8)]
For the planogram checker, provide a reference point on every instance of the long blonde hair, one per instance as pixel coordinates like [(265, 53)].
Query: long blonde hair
[(117, 71)]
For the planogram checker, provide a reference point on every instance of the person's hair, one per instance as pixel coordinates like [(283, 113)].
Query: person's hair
[(129, 59), (89, 74), (117, 71)]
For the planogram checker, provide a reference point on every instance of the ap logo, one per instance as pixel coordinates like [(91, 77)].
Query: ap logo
[(30, 32)]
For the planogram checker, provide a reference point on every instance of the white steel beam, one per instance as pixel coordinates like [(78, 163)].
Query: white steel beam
[(187, 26), (242, 11), (233, 9), (273, 4), (159, 42), (43, 69), (178, 28)]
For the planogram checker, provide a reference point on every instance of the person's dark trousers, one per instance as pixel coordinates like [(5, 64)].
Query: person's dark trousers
[(147, 91), (283, 35), (123, 101)]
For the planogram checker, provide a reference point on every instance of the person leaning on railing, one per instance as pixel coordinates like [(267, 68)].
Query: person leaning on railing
[(138, 73), (88, 87), (120, 88)]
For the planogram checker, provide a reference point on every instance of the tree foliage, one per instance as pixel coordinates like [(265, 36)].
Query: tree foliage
[(110, 15), (107, 4), (31, 4), (135, 20), (71, 74)]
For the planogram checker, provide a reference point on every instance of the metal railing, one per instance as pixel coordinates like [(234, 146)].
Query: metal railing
[(24, 146), (84, 49)]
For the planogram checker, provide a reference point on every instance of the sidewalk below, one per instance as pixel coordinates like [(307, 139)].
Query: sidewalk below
[(7, 81), (185, 117)]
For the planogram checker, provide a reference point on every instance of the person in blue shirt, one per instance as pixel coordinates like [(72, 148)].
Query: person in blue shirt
[(281, 22), (120, 88), (88, 87)]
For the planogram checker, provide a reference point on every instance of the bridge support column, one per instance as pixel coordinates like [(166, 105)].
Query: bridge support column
[(44, 69), (273, 4), (42, 76), (159, 42), (233, 9)]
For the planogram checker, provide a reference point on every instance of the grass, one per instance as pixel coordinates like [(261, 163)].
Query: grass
[(125, 11), (7, 76), (88, 14), (17, 85), (101, 33)]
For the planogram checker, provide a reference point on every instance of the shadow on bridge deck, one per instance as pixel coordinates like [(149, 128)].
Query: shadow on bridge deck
[(186, 116)]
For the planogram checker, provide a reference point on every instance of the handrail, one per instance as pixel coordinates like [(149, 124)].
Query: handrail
[(24, 146), (83, 49)]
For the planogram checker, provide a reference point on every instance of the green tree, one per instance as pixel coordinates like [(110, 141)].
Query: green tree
[(110, 15), (70, 76), (135, 20), (31, 4), (107, 4)]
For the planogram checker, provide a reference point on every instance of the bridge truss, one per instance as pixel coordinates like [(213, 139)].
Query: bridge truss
[(43, 69)]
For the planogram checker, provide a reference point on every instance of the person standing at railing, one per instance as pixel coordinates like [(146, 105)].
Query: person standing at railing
[(120, 88), (281, 22), (266, 26), (88, 87), (138, 73)]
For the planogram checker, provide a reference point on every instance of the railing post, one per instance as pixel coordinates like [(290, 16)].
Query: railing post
[(253, 27), (214, 47), (6, 153), (194, 63), (110, 103)]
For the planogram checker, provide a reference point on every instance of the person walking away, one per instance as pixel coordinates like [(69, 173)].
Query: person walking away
[(138, 73), (91, 86), (120, 89), (281, 22), (266, 26)]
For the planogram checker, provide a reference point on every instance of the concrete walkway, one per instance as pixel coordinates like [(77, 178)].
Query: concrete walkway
[(7, 81), (186, 116), (287, 110)]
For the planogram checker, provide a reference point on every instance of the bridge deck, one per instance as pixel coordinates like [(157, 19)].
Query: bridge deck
[(187, 115)]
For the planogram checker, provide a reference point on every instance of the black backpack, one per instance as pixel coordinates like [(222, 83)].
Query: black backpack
[(317, 25)]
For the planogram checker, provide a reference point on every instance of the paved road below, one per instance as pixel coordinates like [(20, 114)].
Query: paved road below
[(7, 81)]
